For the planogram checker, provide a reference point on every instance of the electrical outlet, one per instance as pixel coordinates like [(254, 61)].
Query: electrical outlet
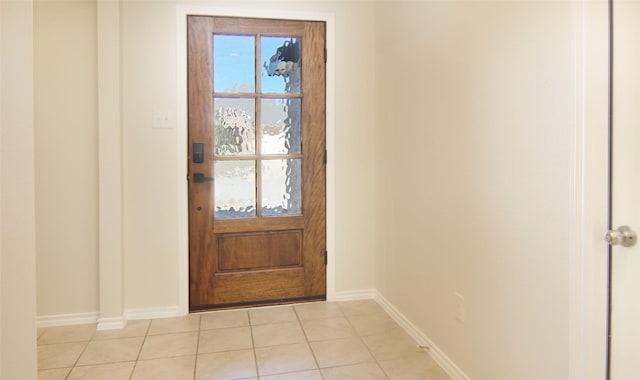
[(459, 307)]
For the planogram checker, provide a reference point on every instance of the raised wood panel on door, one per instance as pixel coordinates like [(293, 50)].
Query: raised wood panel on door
[(256, 260), (259, 250)]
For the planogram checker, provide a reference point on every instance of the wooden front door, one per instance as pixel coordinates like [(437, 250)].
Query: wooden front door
[(256, 161)]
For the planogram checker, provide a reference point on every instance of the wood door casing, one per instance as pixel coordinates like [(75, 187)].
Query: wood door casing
[(262, 259)]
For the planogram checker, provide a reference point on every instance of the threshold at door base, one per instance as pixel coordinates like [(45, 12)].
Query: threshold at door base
[(242, 305)]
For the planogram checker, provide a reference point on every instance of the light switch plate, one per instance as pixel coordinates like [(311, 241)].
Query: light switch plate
[(161, 120)]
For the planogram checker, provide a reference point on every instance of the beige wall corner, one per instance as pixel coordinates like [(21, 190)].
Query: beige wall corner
[(111, 279), (476, 129), (66, 158), (17, 204)]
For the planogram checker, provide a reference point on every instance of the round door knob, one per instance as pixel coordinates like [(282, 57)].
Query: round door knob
[(623, 236)]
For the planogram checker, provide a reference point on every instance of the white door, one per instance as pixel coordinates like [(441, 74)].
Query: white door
[(625, 321)]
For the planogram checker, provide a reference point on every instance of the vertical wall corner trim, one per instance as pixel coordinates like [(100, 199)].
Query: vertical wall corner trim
[(110, 201), (111, 323)]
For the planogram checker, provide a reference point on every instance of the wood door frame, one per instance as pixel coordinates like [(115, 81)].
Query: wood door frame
[(182, 129)]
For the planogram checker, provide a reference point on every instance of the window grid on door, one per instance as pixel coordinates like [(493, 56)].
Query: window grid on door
[(291, 101)]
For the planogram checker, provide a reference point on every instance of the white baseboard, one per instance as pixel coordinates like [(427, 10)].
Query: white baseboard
[(67, 319), (153, 313), (354, 295), (111, 323), (107, 323), (438, 356)]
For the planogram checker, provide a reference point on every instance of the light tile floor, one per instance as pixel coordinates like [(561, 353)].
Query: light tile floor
[(312, 341)]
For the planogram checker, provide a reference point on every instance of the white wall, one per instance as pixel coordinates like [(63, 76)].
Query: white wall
[(453, 151), (65, 102), (150, 182), (67, 149), (475, 112), (17, 215)]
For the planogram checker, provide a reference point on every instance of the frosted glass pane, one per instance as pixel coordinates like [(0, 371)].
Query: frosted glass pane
[(234, 126), (281, 126), (280, 57), (235, 189), (281, 187), (234, 64)]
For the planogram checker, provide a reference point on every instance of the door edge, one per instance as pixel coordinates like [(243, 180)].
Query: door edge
[(589, 197)]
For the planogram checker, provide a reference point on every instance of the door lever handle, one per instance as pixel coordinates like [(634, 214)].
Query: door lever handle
[(200, 177)]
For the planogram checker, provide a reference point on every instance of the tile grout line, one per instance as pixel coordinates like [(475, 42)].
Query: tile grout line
[(253, 345), (79, 356), (364, 343), (195, 362), (144, 339), (94, 338), (306, 338), (352, 316), (38, 344)]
